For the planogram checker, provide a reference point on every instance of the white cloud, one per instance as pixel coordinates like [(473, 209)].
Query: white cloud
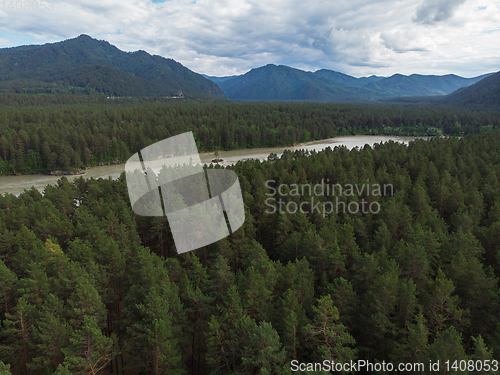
[(226, 37), (431, 11)]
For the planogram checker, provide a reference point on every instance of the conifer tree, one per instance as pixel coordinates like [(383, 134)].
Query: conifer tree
[(448, 344), (156, 334), (442, 307), (8, 282), (263, 353), (17, 336), (482, 353), (52, 334), (89, 351), (332, 338)]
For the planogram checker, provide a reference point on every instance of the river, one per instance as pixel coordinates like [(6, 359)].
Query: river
[(16, 184)]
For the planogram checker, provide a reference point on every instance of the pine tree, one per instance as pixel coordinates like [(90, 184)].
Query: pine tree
[(52, 334), (221, 279), (36, 285), (85, 301), (413, 348), (476, 288), (256, 295), (89, 352), (197, 305), (263, 350), (17, 334), (345, 299), (226, 337), (381, 301), (218, 356), (8, 282), (291, 319), (442, 307), (447, 346), (30, 249), (482, 353), (332, 338), (155, 323), (298, 277), (7, 243), (158, 333)]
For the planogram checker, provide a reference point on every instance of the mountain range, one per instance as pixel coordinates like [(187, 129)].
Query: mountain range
[(484, 95), (276, 83), (84, 65), (87, 66)]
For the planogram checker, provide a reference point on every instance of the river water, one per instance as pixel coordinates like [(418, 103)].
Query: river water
[(16, 184)]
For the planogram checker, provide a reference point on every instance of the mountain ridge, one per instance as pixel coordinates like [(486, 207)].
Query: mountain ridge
[(279, 82), (84, 65), (483, 95), (51, 63), (329, 85)]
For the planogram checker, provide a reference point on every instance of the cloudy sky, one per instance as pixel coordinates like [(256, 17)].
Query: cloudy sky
[(226, 37)]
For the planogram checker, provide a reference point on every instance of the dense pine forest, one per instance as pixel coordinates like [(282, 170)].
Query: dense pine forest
[(39, 134), (88, 287)]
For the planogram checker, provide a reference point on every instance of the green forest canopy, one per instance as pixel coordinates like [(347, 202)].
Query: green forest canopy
[(87, 286), (62, 132)]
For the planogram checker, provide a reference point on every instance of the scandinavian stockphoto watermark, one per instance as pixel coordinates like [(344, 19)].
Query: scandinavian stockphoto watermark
[(168, 179), (342, 196)]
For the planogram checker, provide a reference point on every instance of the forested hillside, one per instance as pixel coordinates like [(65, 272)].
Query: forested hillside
[(86, 80), (424, 85), (282, 83), (89, 287), (84, 65), (482, 95), (45, 133)]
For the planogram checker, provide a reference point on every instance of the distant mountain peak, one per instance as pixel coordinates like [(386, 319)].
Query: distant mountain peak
[(280, 82), (74, 64), (83, 38), (483, 95)]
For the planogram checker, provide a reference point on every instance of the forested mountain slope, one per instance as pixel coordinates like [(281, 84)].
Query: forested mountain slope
[(345, 79), (482, 95), (275, 83), (282, 83), (87, 65), (421, 85)]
